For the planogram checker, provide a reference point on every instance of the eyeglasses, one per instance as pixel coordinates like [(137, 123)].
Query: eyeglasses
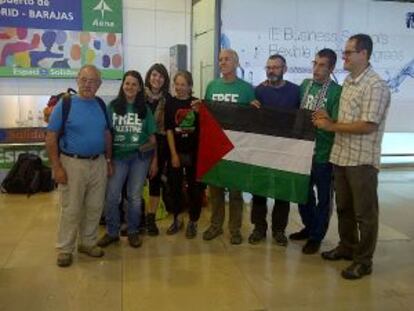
[(90, 81), (349, 52), (273, 67)]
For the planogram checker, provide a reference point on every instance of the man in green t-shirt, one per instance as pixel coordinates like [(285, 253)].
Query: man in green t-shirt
[(228, 88), (319, 93)]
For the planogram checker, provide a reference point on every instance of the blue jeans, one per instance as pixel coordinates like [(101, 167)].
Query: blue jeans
[(135, 167), (316, 216)]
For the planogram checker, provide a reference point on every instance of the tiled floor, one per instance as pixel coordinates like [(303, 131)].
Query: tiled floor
[(173, 273)]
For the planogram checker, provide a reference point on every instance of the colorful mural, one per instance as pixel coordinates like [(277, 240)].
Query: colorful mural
[(54, 39)]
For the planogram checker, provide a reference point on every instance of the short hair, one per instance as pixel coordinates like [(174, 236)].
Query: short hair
[(363, 42), (330, 55), (277, 56), (90, 66), (160, 68), (233, 53), (186, 75)]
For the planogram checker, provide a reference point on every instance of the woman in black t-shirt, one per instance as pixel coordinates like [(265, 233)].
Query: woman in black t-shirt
[(181, 125)]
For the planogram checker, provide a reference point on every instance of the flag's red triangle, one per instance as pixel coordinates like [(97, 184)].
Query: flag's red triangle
[(213, 142)]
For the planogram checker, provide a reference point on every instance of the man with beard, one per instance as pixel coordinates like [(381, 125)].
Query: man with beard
[(278, 93)]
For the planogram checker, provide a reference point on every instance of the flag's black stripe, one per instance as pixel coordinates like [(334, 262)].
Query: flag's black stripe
[(266, 121)]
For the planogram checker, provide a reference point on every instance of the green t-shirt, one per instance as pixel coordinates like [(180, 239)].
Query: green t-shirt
[(324, 140), (238, 91), (129, 131)]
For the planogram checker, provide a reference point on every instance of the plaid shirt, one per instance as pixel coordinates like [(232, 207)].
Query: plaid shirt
[(365, 98)]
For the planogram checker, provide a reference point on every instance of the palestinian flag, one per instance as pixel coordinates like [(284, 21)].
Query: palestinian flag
[(263, 151)]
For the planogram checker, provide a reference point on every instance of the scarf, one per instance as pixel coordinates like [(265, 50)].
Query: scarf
[(319, 97), (159, 112)]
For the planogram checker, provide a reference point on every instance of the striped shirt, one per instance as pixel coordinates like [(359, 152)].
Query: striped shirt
[(365, 98)]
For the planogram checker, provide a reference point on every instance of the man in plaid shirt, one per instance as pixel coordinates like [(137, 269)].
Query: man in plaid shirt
[(356, 154)]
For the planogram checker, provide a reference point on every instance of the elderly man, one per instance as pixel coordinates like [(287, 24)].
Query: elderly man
[(228, 88), (355, 154), (80, 158)]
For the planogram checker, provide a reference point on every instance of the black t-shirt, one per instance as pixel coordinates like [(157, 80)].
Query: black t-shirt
[(183, 121), (152, 104)]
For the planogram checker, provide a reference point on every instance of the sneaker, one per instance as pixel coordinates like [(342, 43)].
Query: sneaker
[(300, 235), (107, 239), (336, 254), (356, 271), (152, 228), (256, 237), (175, 227), (280, 238), (64, 259), (236, 238), (212, 233), (92, 251), (191, 230), (135, 239), (311, 247)]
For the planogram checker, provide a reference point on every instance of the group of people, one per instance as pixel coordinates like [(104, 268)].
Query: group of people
[(152, 134)]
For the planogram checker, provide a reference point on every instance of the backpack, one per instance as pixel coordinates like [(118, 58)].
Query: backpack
[(52, 102), (28, 175), (66, 105)]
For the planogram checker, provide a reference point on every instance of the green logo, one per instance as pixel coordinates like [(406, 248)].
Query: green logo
[(102, 7), (102, 16)]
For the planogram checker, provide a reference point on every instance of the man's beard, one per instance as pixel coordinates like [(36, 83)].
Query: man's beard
[(275, 78)]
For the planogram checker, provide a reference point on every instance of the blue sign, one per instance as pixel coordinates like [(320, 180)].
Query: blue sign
[(41, 14)]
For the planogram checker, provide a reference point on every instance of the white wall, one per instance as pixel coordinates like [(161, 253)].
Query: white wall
[(150, 28), (204, 44)]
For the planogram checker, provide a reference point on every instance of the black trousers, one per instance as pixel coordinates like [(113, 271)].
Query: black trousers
[(163, 158), (280, 214), (185, 195)]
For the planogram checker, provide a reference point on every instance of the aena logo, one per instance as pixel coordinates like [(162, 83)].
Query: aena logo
[(103, 7)]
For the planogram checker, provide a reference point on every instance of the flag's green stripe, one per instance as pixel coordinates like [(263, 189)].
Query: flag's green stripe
[(259, 180)]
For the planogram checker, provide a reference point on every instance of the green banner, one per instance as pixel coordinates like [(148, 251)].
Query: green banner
[(102, 15), (110, 74)]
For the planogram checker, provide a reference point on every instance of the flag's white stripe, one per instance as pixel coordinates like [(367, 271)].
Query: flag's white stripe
[(286, 154)]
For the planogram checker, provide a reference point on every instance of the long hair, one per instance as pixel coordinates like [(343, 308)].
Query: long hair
[(160, 68), (120, 103)]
